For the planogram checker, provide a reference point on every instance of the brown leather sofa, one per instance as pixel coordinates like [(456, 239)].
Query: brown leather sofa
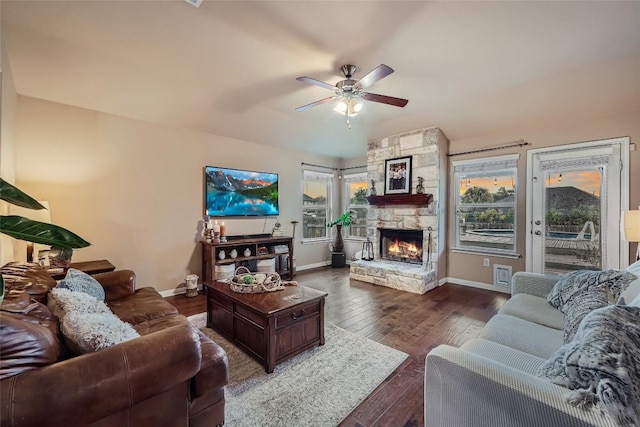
[(172, 375)]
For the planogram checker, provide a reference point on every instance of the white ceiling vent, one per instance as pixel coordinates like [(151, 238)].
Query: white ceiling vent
[(195, 3), (502, 275)]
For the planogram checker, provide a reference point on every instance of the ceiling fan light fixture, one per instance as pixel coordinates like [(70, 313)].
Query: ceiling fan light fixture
[(341, 106), (350, 93), (349, 105)]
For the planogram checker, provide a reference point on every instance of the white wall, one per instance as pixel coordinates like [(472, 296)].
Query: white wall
[(135, 189), (7, 140)]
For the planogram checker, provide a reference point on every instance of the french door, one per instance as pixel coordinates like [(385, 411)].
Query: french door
[(576, 194)]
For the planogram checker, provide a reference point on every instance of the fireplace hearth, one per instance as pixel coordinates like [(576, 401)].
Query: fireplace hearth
[(401, 245)]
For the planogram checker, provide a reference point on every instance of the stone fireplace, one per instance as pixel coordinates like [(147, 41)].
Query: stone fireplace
[(404, 227)]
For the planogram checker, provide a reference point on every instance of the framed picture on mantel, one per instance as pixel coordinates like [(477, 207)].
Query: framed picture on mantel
[(397, 176)]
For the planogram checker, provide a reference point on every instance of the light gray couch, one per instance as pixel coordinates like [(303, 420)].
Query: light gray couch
[(491, 381)]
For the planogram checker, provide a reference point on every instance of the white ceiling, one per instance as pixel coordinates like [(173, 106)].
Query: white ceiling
[(229, 68)]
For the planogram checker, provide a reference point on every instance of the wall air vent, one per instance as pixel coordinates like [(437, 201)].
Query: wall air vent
[(502, 275)]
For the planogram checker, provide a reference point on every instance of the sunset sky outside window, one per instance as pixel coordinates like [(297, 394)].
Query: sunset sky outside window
[(354, 187), (315, 189), (588, 181), (492, 184)]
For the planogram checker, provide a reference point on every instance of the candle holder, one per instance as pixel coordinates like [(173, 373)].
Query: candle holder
[(367, 250), (207, 232), (216, 236)]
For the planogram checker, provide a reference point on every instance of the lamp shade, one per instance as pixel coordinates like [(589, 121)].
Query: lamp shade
[(630, 226)]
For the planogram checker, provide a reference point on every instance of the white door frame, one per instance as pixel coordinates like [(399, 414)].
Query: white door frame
[(623, 142)]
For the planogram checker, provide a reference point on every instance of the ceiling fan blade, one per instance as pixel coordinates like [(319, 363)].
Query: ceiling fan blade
[(398, 102), (315, 82), (313, 104), (378, 73)]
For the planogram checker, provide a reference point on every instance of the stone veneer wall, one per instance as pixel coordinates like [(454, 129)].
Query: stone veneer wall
[(428, 148)]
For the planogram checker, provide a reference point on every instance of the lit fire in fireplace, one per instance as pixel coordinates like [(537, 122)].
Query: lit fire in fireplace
[(403, 249), (401, 245)]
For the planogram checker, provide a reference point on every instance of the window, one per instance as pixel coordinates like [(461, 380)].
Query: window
[(316, 204), (355, 191), (486, 204)]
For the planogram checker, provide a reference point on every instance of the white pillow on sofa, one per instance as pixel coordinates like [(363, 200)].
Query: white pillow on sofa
[(63, 300), (86, 323), (633, 290), (87, 332)]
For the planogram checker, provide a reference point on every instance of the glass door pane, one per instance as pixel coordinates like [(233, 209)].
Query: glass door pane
[(573, 216)]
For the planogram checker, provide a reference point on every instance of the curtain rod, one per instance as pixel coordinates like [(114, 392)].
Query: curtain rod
[(353, 167), (519, 143), (319, 166)]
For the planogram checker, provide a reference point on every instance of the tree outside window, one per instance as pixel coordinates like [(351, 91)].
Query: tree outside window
[(356, 191), (486, 204), (316, 205)]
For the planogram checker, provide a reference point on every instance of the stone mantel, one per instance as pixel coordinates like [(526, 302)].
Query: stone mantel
[(401, 199)]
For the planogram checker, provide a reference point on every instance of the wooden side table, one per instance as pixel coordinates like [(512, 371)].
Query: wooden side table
[(89, 267)]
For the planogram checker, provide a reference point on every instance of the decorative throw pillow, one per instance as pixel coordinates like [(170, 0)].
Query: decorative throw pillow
[(601, 364), (62, 301), (580, 292), (629, 294), (633, 290), (86, 323), (78, 281), (87, 332)]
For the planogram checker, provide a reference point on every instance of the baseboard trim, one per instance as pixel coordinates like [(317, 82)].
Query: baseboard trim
[(310, 266), (177, 291), (480, 285)]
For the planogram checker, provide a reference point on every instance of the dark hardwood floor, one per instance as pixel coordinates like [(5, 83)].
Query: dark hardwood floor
[(450, 314)]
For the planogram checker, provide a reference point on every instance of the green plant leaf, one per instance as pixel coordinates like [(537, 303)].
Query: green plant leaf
[(40, 232), (11, 194), (345, 219)]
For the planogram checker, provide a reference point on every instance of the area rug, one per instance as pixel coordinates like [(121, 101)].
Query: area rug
[(317, 388)]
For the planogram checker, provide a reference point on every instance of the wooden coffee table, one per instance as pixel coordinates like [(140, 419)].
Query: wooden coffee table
[(272, 326)]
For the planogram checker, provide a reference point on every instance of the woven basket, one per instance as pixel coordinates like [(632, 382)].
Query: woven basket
[(259, 282)]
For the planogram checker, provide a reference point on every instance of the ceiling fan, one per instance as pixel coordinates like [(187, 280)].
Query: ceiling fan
[(351, 91)]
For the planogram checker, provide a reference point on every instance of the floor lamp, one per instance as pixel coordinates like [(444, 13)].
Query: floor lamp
[(630, 227)]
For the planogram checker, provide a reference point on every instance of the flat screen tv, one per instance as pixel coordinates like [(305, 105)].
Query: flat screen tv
[(235, 192)]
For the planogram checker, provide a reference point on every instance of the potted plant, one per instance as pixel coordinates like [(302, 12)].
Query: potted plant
[(344, 219), (60, 239)]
